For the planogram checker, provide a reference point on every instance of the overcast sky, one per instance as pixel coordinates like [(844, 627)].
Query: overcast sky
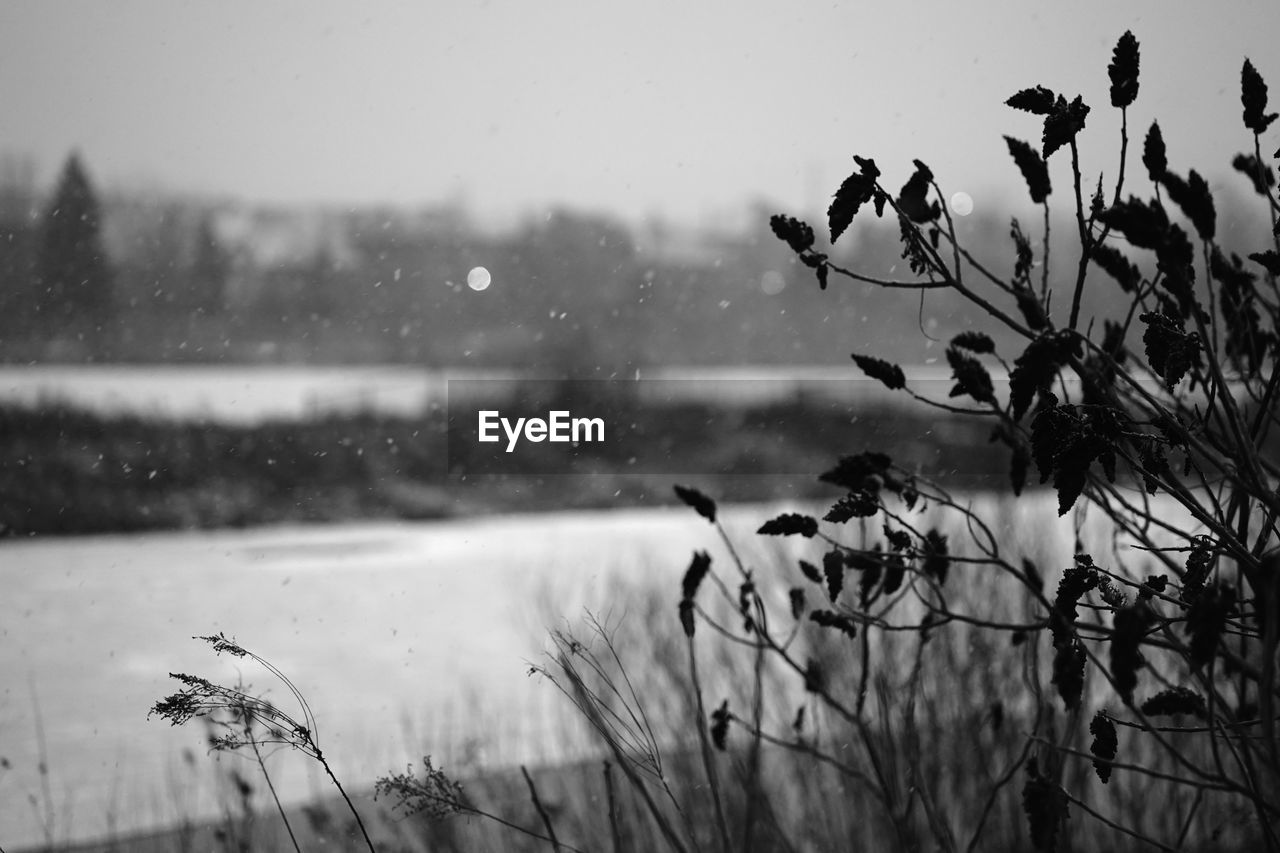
[(678, 107)]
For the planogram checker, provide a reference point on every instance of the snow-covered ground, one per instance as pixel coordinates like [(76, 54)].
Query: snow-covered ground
[(407, 638), (398, 634)]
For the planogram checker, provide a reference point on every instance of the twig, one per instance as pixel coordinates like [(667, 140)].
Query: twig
[(350, 805), (1085, 247), (708, 757), (592, 713), (257, 754), (542, 812), (614, 831), (1117, 827)]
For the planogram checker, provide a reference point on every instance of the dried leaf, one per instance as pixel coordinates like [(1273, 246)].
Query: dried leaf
[(1194, 198), (1123, 71), (1175, 259), (978, 342), (833, 570), (913, 199), (1174, 701), (857, 189), (1206, 620), (1252, 167), (857, 504), (810, 571), (838, 621), (1153, 153), (1034, 170), (1115, 264), (899, 540), (686, 616), (720, 725), (1199, 564), (1112, 594), (1144, 225), (895, 571), (1098, 203), (1247, 338), (1104, 745), (1036, 368), (694, 575), (797, 599), (1019, 463), (1152, 458), (1131, 627), (1068, 672), (937, 561), (1067, 439), (890, 374), (864, 471), (1039, 100), (1269, 260), (795, 233), (1045, 805), (815, 680), (790, 524), (1063, 123), (1171, 352), (971, 377), (701, 504), (1023, 257), (878, 201), (1253, 95), (1100, 368), (914, 249), (1075, 582), (1151, 586)]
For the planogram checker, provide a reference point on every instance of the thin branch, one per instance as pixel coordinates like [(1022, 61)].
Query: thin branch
[(542, 812)]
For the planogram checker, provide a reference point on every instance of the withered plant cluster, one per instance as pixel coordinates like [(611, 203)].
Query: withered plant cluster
[(922, 676), (1159, 421)]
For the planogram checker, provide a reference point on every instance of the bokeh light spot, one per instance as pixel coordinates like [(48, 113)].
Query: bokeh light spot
[(479, 279), (962, 204), (772, 283)]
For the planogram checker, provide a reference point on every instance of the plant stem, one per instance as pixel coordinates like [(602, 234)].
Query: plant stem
[(1085, 247), (542, 812), (1044, 270), (350, 805), (708, 757), (612, 797), (248, 730)]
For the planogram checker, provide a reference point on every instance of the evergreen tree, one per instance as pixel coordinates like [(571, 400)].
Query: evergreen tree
[(18, 239), (74, 273)]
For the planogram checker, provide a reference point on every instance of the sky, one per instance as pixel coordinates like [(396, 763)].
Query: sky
[(688, 109)]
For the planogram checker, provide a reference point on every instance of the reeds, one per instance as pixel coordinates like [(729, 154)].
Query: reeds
[(250, 722)]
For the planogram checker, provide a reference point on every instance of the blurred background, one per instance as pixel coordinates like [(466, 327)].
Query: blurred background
[(244, 247), (311, 183)]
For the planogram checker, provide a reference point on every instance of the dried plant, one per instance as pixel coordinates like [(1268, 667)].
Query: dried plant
[(1170, 441), (248, 721)]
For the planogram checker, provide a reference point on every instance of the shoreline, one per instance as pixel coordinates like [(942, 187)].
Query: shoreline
[(66, 471)]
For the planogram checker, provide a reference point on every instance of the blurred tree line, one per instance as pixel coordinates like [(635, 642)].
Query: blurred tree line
[(138, 279)]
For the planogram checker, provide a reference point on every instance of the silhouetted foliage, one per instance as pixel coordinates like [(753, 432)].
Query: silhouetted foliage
[(1188, 416)]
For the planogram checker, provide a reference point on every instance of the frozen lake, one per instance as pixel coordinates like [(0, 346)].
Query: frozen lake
[(407, 638), (398, 634)]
